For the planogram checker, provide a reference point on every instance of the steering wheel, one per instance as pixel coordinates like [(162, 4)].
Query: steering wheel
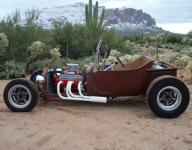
[(119, 61)]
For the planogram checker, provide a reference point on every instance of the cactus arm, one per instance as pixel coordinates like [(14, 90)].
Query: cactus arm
[(86, 15), (94, 13), (90, 10), (101, 19), (96, 5)]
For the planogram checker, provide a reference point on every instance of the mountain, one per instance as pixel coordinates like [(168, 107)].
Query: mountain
[(126, 20)]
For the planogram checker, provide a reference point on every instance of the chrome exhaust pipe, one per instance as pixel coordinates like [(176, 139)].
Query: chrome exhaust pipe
[(81, 97)]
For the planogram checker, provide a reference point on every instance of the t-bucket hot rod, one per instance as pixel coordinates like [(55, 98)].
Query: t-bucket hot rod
[(167, 96)]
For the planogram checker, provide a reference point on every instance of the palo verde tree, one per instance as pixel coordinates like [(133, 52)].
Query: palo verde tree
[(63, 34), (21, 36)]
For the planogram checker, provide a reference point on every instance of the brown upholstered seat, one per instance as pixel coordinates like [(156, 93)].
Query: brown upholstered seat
[(134, 64)]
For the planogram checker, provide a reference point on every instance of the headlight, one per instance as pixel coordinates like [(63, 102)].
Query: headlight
[(40, 79)]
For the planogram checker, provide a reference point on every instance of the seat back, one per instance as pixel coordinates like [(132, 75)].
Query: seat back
[(134, 64)]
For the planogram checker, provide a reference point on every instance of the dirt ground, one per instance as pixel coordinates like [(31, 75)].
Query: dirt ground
[(119, 125)]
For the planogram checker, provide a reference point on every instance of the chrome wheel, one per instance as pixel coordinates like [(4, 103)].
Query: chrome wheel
[(19, 96), (169, 98)]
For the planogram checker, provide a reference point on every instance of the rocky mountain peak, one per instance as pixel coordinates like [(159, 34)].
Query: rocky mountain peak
[(122, 18)]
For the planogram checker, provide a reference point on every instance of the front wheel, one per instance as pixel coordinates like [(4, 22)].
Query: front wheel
[(20, 95), (168, 97)]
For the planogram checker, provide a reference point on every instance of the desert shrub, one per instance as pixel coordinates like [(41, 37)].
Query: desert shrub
[(161, 37), (83, 62), (46, 62), (3, 42), (187, 41), (146, 44), (174, 38), (126, 47), (167, 45), (141, 53), (129, 58), (161, 51), (86, 60), (140, 42), (147, 36), (185, 47), (171, 46), (189, 34), (177, 48), (173, 58), (183, 61), (152, 44), (111, 58), (163, 46), (35, 48), (122, 38), (189, 66), (188, 52), (55, 54), (153, 51), (61, 63), (138, 46), (162, 57), (13, 70)]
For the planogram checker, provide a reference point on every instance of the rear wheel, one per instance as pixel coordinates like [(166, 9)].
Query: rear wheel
[(168, 97), (20, 95)]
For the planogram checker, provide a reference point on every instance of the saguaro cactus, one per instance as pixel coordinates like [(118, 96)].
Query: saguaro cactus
[(89, 17)]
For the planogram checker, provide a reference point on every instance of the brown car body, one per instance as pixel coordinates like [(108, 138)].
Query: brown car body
[(131, 81)]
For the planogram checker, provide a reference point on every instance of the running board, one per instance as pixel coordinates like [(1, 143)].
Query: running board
[(80, 97)]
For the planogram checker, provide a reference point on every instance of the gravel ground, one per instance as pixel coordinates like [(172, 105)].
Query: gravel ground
[(119, 125)]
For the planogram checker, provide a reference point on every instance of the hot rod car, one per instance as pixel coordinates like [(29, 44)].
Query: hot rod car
[(167, 96)]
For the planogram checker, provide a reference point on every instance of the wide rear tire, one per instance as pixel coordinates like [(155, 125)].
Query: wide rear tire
[(20, 95), (168, 97)]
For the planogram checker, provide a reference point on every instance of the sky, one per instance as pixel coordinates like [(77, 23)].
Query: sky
[(172, 15)]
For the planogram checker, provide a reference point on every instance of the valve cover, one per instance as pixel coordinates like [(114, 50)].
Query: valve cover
[(71, 77)]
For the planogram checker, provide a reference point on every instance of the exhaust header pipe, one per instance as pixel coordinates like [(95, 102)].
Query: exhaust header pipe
[(81, 97)]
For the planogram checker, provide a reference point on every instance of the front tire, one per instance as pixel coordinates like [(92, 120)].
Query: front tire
[(168, 97), (20, 95)]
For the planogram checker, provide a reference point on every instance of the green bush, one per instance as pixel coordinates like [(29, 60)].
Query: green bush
[(188, 52), (173, 58), (162, 57), (60, 63), (189, 34), (153, 51), (185, 48), (177, 48), (183, 61), (187, 41), (12, 70), (171, 46), (174, 38), (123, 38), (140, 42), (126, 47)]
